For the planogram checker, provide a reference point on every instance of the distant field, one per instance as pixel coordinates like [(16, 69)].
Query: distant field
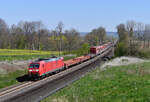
[(129, 83), (13, 54)]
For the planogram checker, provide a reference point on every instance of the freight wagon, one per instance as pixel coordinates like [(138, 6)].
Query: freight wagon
[(75, 61)]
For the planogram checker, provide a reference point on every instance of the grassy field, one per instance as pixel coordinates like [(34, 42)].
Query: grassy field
[(129, 83), (15, 54), (10, 78)]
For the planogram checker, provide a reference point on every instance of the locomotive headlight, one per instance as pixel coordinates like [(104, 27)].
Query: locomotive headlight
[(36, 70), (30, 70)]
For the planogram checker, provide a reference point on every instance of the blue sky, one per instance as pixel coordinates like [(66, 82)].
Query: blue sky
[(83, 15)]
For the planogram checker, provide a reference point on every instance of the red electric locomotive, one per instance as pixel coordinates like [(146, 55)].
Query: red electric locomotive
[(42, 67)]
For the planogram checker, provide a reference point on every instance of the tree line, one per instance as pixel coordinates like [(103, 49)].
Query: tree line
[(34, 35), (134, 39)]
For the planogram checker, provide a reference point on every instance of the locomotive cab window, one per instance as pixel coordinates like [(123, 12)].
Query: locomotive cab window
[(34, 66), (31, 66)]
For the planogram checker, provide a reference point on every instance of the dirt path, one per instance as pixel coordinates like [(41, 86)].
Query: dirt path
[(6, 67)]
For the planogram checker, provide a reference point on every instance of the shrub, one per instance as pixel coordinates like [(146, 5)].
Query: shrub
[(84, 50), (121, 49), (143, 53)]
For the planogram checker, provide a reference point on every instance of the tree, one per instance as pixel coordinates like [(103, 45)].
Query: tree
[(101, 33), (122, 33), (73, 40), (139, 31), (84, 49), (146, 35), (96, 36), (122, 47), (4, 34), (130, 27), (39, 28), (59, 30), (17, 37)]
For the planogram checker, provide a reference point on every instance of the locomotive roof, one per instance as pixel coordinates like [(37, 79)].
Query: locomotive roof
[(96, 46), (49, 59)]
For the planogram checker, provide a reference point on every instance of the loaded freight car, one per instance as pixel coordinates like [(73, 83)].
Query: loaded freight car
[(75, 61), (42, 67), (97, 49)]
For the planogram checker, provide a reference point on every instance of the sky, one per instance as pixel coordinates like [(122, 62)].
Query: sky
[(83, 15)]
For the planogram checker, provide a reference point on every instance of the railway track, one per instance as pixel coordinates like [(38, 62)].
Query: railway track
[(29, 91), (11, 90)]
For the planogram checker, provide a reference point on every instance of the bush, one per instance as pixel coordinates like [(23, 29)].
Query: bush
[(121, 49), (84, 50), (143, 53)]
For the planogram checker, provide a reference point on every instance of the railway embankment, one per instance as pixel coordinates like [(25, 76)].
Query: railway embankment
[(124, 79)]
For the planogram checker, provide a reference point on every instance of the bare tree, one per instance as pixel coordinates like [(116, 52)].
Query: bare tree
[(146, 35), (17, 37), (101, 35), (139, 32), (4, 34), (96, 36), (39, 26), (130, 26), (59, 30), (73, 39)]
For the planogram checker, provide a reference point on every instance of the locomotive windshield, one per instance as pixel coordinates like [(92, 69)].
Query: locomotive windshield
[(34, 66)]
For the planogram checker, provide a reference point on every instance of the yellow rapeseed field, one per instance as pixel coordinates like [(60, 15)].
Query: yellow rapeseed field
[(18, 54), (12, 52)]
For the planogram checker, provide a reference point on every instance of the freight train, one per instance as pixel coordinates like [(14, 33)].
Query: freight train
[(44, 67)]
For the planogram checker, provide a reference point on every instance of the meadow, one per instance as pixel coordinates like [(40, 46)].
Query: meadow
[(11, 78), (15, 54), (129, 83)]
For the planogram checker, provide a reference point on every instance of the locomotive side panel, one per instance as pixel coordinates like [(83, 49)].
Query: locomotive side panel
[(45, 66)]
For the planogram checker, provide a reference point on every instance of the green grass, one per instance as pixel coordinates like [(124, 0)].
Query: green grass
[(27, 57), (10, 78), (129, 83)]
